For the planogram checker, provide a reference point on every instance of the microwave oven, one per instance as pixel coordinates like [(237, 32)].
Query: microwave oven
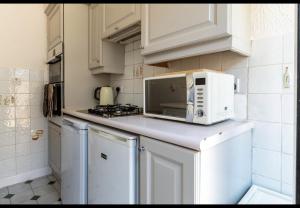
[(197, 96)]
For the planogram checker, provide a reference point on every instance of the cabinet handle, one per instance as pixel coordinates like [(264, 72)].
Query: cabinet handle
[(141, 149), (54, 52), (98, 61), (116, 28), (142, 47)]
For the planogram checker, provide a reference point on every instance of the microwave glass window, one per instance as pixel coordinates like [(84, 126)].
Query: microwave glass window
[(166, 97), (55, 73), (200, 81)]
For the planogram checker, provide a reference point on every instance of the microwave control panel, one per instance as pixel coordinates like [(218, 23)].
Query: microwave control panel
[(200, 91)]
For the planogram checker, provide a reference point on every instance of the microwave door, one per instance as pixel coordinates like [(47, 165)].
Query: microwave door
[(166, 97)]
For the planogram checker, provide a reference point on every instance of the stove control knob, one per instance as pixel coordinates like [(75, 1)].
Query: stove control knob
[(200, 113)]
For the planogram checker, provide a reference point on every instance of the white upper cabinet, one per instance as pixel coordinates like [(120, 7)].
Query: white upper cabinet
[(172, 31), (117, 17), (167, 173), (54, 14), (95, 42), (104, 56)]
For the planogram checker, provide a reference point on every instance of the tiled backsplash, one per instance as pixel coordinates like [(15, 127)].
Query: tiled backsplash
[(262, 99), (21, 95)]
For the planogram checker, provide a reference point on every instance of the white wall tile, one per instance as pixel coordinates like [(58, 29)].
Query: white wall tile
[(240, 107), (7, 152), (211, 61), (7, 87), (138, 100), (22, 87), (287, 189), (7, 138), (138, 58), (288, 108), (264, 107), (288, 138), (7, 125), (22, 74), (242, 75), (129, 58), (6, 74), (37, 160), (138, 86), (137, 44), (231, 60), (22, 99), (23, 164), (37, 145), (23, 136), (190, 63), (36, 111), (147, 71), (128, 47), (36, 75), (7, 113), (23, 149), (37, 123), (287, 169), (125, 98), (22, 112), (266, 51), (8, 167), (267, 163), (267, 135), (36, 88), (22, 124), (265, 79), (288, 48), (266, 182)]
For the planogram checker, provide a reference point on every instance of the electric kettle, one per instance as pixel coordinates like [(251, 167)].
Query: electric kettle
[(104, 95)]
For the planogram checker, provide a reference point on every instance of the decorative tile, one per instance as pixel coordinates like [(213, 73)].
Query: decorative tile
[(28, 182), (35, 197), (51, 182), (22, 197), (8, 196)]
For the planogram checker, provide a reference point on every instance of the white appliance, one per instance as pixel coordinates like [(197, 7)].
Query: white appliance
[(196, 96), (74, 161), (112, 166), (104, 95)]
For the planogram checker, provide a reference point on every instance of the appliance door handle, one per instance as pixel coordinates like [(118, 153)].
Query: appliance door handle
[(54, 59), (70, 124), (107, 135)]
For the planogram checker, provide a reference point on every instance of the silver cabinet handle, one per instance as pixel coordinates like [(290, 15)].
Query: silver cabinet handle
[(141, 149)]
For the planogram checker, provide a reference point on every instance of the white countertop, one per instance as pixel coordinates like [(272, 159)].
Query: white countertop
[(193, 136)]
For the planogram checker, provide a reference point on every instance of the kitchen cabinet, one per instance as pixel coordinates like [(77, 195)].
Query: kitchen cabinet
[(54, 14), (167, 173), (173, 31), (54, 139), (117, 17), (220, 173), (104, 56)]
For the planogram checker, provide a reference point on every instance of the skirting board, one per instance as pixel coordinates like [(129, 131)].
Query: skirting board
[(24, 177)]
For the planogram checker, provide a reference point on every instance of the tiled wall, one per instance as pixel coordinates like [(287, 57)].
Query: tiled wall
[(21, 93)]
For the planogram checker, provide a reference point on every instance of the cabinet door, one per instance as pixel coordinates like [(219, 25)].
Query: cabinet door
[(54, 147), (167, 173), (167, 26), (95, 42), (119, 16), (54, 24)]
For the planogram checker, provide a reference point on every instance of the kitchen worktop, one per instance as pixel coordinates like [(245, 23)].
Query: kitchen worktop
[(193, 136)]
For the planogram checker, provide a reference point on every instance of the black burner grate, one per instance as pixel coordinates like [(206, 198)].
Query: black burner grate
[(109, 111)]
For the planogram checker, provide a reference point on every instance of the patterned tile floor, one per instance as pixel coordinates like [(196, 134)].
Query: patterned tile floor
[(44, 190)]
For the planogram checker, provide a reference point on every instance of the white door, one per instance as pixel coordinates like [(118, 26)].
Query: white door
[(73, 165), (167, 173), (95, 30), (167, 26), (111, 168), (119, 16)]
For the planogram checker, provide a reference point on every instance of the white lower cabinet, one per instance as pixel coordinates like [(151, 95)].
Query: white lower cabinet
[(54, 132), (167, 173)]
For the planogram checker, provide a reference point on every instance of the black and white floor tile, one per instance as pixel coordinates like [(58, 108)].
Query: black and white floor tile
[(44, 190)]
